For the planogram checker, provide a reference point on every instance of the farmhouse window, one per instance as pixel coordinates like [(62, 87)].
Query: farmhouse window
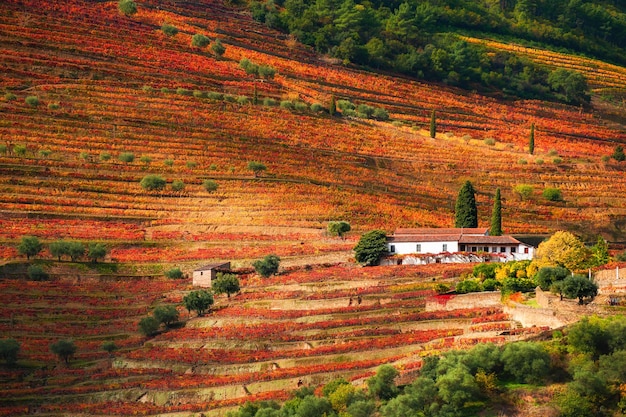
[(494, 249), (486, 248), (445, 247), (201, 273), (473, 248), (513, 249), (462, 248), (392, 248), (525, 250), (502, 249), (418, 248)]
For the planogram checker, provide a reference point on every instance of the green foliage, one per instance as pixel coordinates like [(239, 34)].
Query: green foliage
[(145, 159), (105, 156), (200, 41), (127, 7), (44, 153), (382, 385), (441, 288), (153, 182), (526, 361), (267, 266), (32, 101), (496, 216), (9, 350), (286, 104), (579, 286), (184, 91), (618, 153), (225, 284), (10, 96), (178, 185), (166, 315), (485, 270), (332, 107), (19, 149), (37, 273), (54, 106), (599, 253), (268, 101), (199, 301), (75, 250), (218, 48), (467, 286), (256, 167), (210, 185), (317, 108), (59, 248), (29, 246), (169, 30), (380, 114), (126, 157), (552, 194), (242, 100), (267, 72), (174, 273), (339, 228), (372, 246), (109, 347), (547, 276), (96, 251), (149, 326), (465, 211), (64, 349), (191, 164), (569, 86)]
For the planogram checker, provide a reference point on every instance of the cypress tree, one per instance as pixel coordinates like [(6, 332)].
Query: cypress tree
[(496, 216), (531, 141), (433, 124), (332, 109), (255, 96), (465, 212)]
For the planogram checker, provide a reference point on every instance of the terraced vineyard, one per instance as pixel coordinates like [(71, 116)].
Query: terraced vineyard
[(301, 328)]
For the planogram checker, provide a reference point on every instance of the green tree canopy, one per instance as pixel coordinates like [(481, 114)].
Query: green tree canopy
[(383, 385), (225, 284), (168, 29), (372, 246), (618, 153), (149, 326), (339, 228), (547, 276), (9, 349), (267, 266), (29, 246), (127, 7), (199, 301), (64, 349), (523, 190), (465, 211), (496, 216), (199, 40), (218, 48), (579, 286), (153, 182), (210, 185), (600, 252), (37, 273), (59, 248), (166, 315), (174, 273), (256, 167), (96, 251), (562, 249), (75, 250), (526, 361)]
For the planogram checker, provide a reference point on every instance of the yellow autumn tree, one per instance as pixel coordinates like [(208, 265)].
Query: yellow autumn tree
[(562, 249)]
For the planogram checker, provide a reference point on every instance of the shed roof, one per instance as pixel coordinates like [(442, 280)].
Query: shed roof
[(213, 266)]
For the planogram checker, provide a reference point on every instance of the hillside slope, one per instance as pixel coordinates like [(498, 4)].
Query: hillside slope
[(108, 84)]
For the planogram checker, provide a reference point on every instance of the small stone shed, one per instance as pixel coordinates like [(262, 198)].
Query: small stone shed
[(202, 276)]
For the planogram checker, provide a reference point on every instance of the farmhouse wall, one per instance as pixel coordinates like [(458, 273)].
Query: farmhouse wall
[(404, 248), (473, 300)]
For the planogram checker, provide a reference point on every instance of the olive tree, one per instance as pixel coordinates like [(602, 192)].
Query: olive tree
[(127, 7), (256, 167), (267, 266), (153, 182), (9, 349), (199, 40), (198, 301), (96, 251), (64, 349), (29, 246), (225, 284), (339, 228)]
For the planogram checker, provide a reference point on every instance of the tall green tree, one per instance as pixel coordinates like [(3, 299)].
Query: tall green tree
[(531, 139), (496, 216), (465, 211), (433, 124), (332, 108), (29, 246), (372, 246), (600, 252)]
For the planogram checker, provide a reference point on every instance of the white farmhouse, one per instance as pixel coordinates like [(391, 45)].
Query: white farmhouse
[(453, 245)]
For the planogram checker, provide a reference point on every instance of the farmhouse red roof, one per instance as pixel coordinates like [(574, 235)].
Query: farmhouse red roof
[(425, 238), (489, 240), (442, 231)]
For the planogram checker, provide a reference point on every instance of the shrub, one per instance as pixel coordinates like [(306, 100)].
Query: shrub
[(168, 162), (267, 266), (230, 98), (166, 315), (145, 159), (286, 104), (268, 101), (467, 286), (552, 194), (248, 66), (441, 288), (199, 94), (365, 110), (3, 148), (126, 157), (183, 91), (317, 107), (127, 7), (32, 101), (174, 273), (45, 153), (178, 185), (489, 142), (199, 40), (618, 154), (165, 90), (153, 182), (149, 326), (64, 349), (9, 348), (380, 114), (372, 246), (300, 106), (109, 347), (539, 161), (10, 96), (242, 100), (210, 185), (523, 190), (19, 150), (557, 160), (191, 164), (37, 273), (147, 89), (214, 95), (54, 106), (169, 30), (522, 161), (267, 72), (218, 48)]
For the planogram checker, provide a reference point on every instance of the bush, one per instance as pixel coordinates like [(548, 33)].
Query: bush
[(109, 347), (64, 349), (168, 162), (441, 288), (127, 7), (210, 185), (37, 273), (214, 95), (489, 142), (522, 161), (153, 182), (126, 157), (300, 106), (32, 101), (169, 30), (178, 185), (287, 105), (242, 100), (372, 246), (149, 326), (45, 153), (267, 266), (105, 156), (268, 101), (267, 72), (183, 91), (539, 161), (147, 89), (467, 286), (9, 349), (316, 107), (145, 159), (19, 150), (523, 190), (174, 273), (191, 164), (365, 111), (380, 114), (10, 97), (527, 362), (54, 106), (199, 40), (552, 194), (166, 315), (557, 160), (199, 94), (218, 48), (344, 105)]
